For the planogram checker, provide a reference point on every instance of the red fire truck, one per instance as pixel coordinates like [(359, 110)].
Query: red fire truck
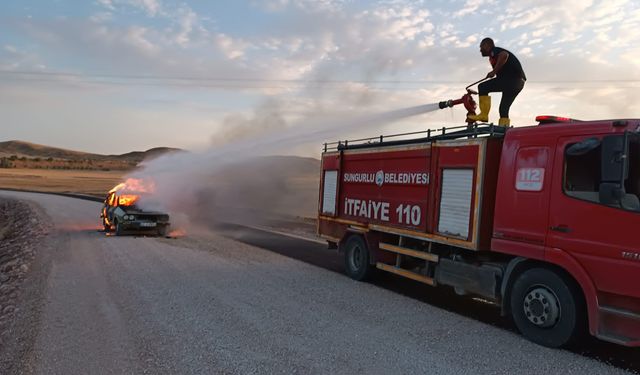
[(537, 219)]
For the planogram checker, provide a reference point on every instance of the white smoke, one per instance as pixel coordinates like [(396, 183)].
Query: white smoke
[(191, 185)]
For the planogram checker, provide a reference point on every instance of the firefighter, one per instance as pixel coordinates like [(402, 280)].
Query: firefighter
[(509, 80)]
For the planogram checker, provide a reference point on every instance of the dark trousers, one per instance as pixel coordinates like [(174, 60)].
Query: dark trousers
[(510, 88)]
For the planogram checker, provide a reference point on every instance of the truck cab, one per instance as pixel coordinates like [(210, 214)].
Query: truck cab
[(569, 195)]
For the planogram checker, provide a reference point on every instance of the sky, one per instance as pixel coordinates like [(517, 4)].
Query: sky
[(113, 76)]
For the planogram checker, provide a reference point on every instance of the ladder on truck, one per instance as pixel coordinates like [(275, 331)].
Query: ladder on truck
[(429, 135), (401, 252)]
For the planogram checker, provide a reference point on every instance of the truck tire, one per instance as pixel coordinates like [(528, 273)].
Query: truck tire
[(547, 307), (356, 259)]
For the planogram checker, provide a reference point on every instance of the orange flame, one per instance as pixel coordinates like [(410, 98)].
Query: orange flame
[(177, 233), (118, 187), (128, 199), (135, 185), (128, 192)]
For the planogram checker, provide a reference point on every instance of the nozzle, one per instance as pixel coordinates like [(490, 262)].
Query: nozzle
[(445, 104)]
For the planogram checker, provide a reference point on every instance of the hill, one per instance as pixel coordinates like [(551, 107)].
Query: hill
[(33, 150), (151, 153), (20, 154)]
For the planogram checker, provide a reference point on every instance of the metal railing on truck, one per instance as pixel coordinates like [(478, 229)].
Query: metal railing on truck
[(456, 132)]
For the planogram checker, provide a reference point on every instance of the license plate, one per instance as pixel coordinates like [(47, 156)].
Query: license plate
[(149, 225)]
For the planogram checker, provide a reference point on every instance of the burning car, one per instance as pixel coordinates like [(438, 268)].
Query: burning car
[(122, 212)]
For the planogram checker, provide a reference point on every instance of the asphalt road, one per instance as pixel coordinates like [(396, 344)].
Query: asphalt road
[(214, 303)]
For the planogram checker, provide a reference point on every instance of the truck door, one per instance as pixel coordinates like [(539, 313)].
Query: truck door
[(602, 237)]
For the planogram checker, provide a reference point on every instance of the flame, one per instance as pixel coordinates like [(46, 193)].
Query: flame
[(128, 199), (177, 233), (118, 187), (128, 192), (134, 185)]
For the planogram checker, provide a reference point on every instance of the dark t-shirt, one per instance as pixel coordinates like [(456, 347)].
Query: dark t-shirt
[(512, 69)]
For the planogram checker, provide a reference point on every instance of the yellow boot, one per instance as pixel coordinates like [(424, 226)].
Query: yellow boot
[(485, 106), (504, 121)]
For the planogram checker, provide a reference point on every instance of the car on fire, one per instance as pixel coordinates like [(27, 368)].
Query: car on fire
[(122, 213)]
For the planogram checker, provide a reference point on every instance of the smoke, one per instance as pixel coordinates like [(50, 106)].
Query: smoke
[(240, 180), (268, 117)]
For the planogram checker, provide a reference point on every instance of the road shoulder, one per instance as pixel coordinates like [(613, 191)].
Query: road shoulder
[(23, 271)]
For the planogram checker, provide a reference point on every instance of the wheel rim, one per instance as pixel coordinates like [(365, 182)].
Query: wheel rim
[(356, 258), (541, 307)]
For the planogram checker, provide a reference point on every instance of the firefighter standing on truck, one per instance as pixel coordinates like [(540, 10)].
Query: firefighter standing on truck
[(509, 80)]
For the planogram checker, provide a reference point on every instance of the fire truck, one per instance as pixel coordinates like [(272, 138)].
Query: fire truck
[(536, 219)]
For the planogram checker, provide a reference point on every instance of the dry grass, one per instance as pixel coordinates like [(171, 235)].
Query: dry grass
[(74, 181), (81, 164)]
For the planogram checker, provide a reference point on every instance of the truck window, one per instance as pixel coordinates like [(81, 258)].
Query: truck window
[(582, 176)]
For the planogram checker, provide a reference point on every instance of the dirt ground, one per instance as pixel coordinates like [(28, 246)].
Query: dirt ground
[(96, 183)]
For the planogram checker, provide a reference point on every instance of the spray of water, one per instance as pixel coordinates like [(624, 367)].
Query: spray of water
[(197, 185)]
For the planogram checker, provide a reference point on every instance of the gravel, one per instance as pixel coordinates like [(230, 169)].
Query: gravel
[(22, 227)]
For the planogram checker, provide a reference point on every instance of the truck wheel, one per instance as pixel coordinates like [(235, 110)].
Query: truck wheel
[(356, 259), (546, 307), (119, 230)]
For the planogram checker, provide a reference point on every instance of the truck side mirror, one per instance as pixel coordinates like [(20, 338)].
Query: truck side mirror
[(611, 193), (614, 167)]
